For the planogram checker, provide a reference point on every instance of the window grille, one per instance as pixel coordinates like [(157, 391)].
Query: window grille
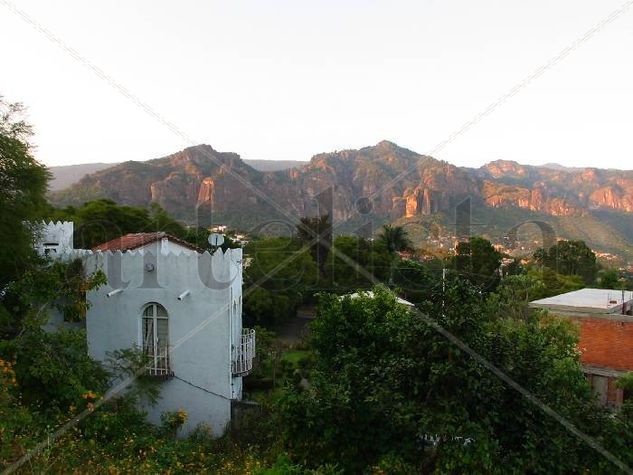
[(155, 329)]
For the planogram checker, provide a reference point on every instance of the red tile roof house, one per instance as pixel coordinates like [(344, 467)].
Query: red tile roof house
[(157, 241), (181, 306), (606, 335)]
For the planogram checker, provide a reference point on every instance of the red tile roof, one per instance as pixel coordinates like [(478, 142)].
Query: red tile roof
[(137, 240)]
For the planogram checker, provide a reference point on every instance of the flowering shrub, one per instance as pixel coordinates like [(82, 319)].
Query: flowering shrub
[(173, 420), (16, 423), (53, 370)]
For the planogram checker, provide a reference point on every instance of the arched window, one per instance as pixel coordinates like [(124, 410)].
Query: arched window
[(155, 329)]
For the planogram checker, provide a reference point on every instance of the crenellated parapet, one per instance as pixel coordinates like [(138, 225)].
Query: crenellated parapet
[(145, 270), (54, 237)]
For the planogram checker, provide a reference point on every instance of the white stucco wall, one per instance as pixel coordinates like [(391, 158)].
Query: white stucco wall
[(203, 326), (56, 237), (165, 246)]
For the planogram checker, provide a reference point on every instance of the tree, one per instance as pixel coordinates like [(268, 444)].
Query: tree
[(47, 284), (556, 284), (388, 386), (356, 263), (514, 294), (414, 280), (609, 279), (395, 238), (478, 261), (23, 182), (317, 234), (569, 258), (101, 220), (279, 276), (54, 369)]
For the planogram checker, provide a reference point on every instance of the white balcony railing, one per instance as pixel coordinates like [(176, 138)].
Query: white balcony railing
[(159, 363), (244, 353)]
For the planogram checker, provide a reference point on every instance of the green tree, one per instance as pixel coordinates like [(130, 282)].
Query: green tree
[(609, 279), (554, 283), (101, 220), (414, 280), (395, 238), (514, 293), (569, 258), (23, 182), (478, 261), (53, 370), (280, 274), (355, 263), (49, 285), (386, 385), (316, 232)]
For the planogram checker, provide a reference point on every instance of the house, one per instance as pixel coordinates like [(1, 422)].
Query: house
[(183, 309), (606, 335), (157, 242)]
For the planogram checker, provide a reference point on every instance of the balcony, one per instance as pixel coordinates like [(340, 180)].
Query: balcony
[(244, 353), (159, 364)]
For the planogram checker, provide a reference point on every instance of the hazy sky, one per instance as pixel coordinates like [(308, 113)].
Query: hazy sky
[(289, 79)]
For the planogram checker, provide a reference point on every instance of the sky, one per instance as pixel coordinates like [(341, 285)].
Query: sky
[(285, 80)]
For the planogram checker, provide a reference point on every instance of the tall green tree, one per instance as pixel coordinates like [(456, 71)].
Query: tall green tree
[(514, 294), (609, 279), (395, 238), (478, 261), (316, 232), (101, 220), (23, 183), (279, 275), (569, 258), (414, 280), (355, 264)]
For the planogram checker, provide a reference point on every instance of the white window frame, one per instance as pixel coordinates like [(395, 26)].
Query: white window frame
[(158, 351)]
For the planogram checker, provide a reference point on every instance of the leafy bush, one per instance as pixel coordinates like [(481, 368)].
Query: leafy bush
[(53, 370), (388, 389)]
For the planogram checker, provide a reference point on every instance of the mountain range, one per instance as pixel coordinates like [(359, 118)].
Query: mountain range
[(65, 175), (382, 183)]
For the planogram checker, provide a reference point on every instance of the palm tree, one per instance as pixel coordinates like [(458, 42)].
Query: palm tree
[(395, 238)]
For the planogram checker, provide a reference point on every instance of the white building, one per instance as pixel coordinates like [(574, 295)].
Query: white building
[(182, 308), (54, 238)]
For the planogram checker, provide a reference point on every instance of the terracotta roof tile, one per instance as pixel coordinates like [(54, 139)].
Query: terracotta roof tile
[(136, 240)]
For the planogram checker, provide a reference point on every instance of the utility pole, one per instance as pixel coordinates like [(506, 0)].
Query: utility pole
[(443, 286), (622, 283)]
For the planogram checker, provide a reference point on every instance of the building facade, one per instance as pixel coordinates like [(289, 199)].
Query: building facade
[(54, 238), (605, 323), (183, 309)]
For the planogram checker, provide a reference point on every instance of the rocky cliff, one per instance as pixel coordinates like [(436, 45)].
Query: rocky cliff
[(389, 181), (556, 191)]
